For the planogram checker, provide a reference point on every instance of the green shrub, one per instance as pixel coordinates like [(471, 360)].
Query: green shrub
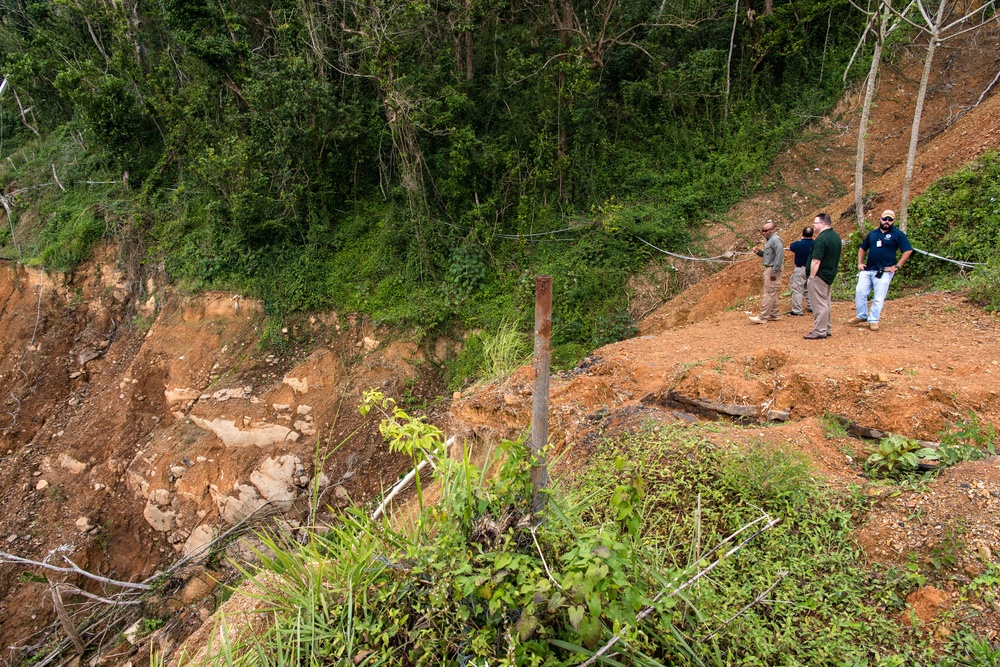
[(898, 456), (68, 238), (967, 440), (958, 216)]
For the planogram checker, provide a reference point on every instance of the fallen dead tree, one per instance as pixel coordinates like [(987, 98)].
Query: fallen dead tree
[(98, 621), (715, 410)]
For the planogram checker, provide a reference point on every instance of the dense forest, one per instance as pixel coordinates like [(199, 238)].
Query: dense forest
[(418, 160)]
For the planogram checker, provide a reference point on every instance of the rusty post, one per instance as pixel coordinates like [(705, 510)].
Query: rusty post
[(540, 403)]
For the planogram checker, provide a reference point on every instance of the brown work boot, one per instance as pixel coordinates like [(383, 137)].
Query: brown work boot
[(873, 326), (857, 320)]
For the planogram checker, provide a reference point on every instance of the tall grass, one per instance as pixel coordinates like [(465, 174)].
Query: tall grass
[(504, 349), (479, 580)]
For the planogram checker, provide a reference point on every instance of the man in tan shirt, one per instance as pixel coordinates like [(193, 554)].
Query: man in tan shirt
[(773, 255)]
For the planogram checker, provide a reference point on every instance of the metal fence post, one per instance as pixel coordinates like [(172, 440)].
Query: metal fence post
[(540, 402)]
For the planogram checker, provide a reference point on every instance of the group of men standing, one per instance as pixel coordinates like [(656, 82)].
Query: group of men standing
[(817, 256)]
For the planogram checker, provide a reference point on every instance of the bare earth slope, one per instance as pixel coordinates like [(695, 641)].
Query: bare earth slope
[(126, 445)]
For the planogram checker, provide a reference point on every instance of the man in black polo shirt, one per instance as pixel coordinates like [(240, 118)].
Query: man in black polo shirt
[(874, 276), (823, 260), (801, 250)]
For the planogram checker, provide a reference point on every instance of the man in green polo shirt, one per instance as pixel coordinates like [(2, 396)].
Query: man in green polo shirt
[(822, 267)]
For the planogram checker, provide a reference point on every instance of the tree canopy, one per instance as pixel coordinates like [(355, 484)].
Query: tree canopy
[(415, 158)]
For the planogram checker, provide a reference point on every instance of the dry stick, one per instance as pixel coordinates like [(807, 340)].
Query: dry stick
[(10, 221), (64, 618), (74, 569), (97, 598), (24, 119), (264, 510), (687, 584), (57, 178), (542, 556), (781, 575), (109, 614), (988, 89)]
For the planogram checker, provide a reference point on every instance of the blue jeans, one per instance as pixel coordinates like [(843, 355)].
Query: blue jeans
[(868, 283)]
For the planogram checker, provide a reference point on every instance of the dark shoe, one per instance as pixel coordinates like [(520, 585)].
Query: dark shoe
[(812, 335), (792, 312)]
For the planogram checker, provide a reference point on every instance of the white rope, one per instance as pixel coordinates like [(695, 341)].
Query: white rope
[(726, 258), (536, 234), (963, 264)]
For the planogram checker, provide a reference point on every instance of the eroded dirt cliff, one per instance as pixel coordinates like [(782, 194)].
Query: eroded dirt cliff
[(128, 441)]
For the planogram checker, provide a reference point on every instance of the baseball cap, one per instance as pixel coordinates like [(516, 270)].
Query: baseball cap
[(888, 213)]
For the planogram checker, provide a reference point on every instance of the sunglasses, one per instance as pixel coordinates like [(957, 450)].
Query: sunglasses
[(887, 219), (770, 229)]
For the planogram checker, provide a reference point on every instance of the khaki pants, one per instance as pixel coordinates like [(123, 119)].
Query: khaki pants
[(769, 309), (799, 289), (819, 297)]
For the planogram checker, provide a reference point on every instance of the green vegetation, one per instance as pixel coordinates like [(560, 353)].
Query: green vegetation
[(898, 456), (420, 162), (968, 439), (833, 426), (477, 580), (959, 217)]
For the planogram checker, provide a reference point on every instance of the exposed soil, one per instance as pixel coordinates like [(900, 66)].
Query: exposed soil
[(934, 360), (817, 173), (125, 437), (107, 451)]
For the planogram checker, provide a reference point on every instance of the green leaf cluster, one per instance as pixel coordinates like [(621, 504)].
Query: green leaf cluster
[(898, 456)]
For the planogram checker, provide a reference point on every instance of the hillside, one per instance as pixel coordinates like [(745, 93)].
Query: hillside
[(136, 434)]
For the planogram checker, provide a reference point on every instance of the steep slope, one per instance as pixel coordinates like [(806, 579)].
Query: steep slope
[(125, 445)]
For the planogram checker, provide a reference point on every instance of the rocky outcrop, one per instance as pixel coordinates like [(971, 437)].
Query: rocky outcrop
[(260, 434)]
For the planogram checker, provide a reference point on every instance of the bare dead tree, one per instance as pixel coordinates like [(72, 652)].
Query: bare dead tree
[(939, 27), (882, 22), (729, 58)]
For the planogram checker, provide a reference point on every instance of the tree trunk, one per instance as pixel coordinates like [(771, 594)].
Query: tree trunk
[(566, 19), (911, 156), (468, 41), (729, 60), (866, 107)]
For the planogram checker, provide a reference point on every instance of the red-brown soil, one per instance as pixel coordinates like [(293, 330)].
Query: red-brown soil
[(93, 443), (817, 174), (108, 414), (933, 362)]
